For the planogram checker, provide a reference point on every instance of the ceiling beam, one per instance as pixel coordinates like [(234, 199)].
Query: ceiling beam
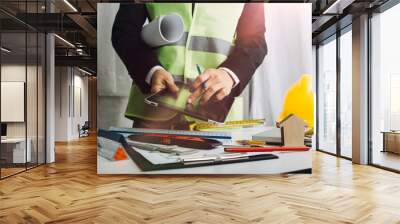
[(337, 7), (76, 16), (86, 26), (81, 61)]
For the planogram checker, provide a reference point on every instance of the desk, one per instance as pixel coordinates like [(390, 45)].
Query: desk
[(288, 162), (13, 150), (391, 141)]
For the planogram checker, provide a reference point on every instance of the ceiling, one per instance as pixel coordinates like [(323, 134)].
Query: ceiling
[(76, 20)]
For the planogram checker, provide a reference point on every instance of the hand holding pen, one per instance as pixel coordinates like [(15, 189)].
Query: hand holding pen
[(212, 84)]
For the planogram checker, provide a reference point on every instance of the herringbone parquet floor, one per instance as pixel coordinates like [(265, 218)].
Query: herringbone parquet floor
[(70, 191)]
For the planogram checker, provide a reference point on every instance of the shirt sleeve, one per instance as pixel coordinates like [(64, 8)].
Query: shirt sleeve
[(250, 46), (136, 55), (150, 74), (232, 75)]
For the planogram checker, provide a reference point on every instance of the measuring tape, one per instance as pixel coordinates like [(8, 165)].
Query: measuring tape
[(228, 124)]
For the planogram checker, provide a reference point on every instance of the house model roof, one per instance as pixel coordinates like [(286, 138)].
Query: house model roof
[(290, 116)]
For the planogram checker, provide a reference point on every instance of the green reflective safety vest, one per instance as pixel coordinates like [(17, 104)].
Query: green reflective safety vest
[(209, 36)]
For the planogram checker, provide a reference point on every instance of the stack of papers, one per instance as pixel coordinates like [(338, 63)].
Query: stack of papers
[(272, 135)]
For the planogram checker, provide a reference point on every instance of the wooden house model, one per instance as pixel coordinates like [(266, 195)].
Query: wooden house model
[(292, 130)]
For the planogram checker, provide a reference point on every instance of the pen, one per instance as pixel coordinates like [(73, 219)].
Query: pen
[(267, 149), (198, 67)]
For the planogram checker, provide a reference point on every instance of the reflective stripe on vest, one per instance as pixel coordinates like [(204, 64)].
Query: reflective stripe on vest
[(205, 44), (209, 36)]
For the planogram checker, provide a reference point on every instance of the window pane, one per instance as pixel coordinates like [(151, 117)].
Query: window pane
[(385, 86), (346, 94), (327, 97)]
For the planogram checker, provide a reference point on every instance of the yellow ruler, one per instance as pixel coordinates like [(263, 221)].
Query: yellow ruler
[(230, 124)]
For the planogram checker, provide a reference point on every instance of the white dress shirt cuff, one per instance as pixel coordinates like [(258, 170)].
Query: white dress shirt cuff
[(234, 77), (151, 73)]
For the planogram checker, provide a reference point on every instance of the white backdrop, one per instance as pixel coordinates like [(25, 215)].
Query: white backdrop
[(113, 81), (289, 43)]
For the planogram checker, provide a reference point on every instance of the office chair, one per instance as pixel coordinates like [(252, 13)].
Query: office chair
[(84, 130)]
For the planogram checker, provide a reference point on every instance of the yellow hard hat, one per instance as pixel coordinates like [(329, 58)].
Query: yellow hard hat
[(299, 100)]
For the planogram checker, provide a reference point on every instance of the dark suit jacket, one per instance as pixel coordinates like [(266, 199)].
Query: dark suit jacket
[(248, 53)]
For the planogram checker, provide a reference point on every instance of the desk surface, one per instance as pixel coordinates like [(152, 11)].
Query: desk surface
[(287, 162)]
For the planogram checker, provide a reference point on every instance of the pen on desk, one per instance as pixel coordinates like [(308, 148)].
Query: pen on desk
[(267, 149)]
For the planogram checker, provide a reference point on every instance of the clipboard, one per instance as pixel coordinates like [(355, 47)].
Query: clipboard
[(146, 165)]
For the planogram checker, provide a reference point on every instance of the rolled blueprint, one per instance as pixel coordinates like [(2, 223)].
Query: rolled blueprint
[(163, 30)]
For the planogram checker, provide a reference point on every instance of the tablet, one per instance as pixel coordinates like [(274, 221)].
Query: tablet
[(215, 111)]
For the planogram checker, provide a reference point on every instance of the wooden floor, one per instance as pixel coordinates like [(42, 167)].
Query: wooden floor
[(387, 159), (70, 191), (5, 172)]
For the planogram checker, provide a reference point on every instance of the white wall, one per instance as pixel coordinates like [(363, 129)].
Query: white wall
[(288, 36), (33, 126), (79, 117), (14, 72), (61, 103), (17, 73), (69, 82), (114, 81)]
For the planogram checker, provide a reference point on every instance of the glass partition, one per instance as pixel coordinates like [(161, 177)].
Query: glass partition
[(14, 145), (23, 91)]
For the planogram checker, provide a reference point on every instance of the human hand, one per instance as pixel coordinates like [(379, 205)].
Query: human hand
[(163, 80), (212, 84)]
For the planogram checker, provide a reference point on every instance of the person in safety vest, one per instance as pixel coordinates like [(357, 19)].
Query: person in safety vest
[(227, 39)]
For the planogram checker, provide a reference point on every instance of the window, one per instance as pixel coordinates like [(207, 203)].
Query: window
[(385, 89), (333, 137), (346, 93), (394, 117), (327, 96)]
